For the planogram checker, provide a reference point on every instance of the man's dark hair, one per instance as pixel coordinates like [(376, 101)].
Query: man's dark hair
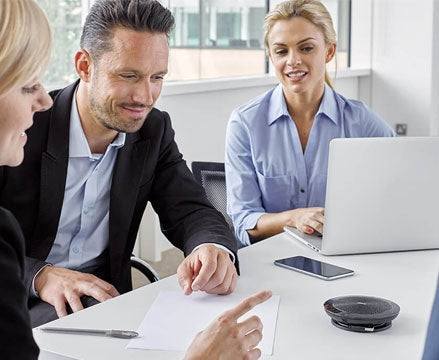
[(138, 15)]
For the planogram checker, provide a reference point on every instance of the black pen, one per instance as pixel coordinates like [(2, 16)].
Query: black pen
[(123, 334)]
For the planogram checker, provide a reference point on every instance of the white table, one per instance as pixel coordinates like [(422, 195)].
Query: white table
[(304, 331)]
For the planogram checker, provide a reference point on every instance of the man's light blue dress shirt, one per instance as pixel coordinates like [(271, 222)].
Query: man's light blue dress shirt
[(83, 228), (266, 168)]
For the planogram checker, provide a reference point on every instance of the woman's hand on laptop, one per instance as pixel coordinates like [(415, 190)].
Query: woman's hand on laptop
[(307, 220)]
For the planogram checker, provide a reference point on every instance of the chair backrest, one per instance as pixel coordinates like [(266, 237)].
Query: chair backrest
[(212, 176)]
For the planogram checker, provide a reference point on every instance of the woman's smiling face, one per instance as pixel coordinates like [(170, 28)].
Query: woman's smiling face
[(299, 54), (17, 108)]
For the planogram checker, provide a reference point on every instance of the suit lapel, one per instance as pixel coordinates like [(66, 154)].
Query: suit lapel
[(54, 164), (127, 174)]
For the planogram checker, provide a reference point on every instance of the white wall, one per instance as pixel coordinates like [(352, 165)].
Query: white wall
[(402, 62), (361, 33), (200, 118), (434, 98)]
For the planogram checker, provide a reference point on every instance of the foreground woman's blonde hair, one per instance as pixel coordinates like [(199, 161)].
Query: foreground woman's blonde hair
[(25, 43)]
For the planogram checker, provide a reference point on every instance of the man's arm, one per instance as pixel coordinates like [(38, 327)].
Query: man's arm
[(188, 220)]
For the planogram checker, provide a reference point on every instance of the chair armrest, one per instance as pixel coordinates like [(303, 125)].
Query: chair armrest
[(144, 268)]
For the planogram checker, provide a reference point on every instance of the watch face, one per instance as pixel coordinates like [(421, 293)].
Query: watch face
[(361, 313)]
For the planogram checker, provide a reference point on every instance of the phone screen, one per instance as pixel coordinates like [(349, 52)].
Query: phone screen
[(314, 267)]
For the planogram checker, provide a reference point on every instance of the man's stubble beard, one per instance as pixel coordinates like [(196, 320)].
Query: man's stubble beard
[(109, 119)]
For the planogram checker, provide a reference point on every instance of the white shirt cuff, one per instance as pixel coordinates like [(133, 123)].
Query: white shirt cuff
[(232, 255), (35, 292)]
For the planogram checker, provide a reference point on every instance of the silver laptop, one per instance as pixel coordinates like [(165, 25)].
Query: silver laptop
[(382, 194)]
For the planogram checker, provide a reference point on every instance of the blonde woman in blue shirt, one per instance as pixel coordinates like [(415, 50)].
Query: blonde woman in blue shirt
[(277, 144)]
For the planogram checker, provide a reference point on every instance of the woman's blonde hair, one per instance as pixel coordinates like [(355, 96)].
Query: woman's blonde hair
[(25, 43), (312, 10)]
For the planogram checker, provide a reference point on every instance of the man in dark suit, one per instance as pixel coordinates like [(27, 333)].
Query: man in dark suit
[(93, 162)]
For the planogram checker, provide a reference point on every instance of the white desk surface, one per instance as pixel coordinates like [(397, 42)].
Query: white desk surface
[(304, 331)]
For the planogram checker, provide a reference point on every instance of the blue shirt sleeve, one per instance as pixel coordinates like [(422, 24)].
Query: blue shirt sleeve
[(243, 194)]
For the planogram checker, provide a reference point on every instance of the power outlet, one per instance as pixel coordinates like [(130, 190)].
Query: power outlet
[(401, 129)]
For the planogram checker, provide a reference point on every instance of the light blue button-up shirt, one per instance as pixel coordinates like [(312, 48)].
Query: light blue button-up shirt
[(83, 228), (266, 168)]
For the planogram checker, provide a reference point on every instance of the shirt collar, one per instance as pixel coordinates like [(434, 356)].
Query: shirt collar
[(328, 105), (278, 105), (78, 145)]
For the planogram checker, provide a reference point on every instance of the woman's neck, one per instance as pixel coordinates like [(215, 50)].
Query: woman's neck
[(304, 106)]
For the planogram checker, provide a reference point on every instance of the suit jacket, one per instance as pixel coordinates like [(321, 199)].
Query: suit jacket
[(148, 168), (16, 341)]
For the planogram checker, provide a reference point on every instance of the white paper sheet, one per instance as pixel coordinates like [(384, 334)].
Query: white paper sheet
[(174, 319), (48, 355)]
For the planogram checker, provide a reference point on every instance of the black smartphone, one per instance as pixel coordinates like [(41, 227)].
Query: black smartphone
[(313, 267)]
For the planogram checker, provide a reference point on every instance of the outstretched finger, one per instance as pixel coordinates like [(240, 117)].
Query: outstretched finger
[(247, 304)]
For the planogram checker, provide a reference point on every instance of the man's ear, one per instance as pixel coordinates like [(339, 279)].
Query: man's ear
[(83, 65), (330, 52)]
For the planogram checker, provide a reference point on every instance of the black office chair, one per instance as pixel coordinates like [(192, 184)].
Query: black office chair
[(146, 269), (212, 176)]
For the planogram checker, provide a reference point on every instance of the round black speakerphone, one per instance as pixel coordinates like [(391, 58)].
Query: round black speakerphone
[(361, 313)]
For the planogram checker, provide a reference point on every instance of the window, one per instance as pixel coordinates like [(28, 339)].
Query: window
[(216, 38), (65, 17), (211, 39), (230, 37), (340, 11)]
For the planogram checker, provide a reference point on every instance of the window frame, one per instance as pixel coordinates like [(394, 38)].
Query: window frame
[(347, 38)]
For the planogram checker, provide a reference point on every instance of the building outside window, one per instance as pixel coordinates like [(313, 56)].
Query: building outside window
[(211, 39), (216, 38)]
